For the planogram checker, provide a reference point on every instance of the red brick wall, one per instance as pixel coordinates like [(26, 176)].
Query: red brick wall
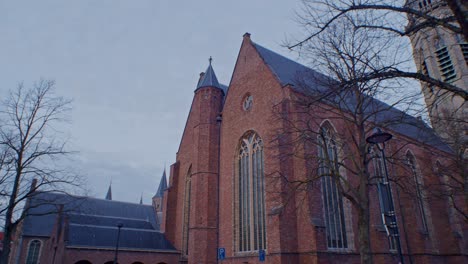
[(295, 226), (252, 76), (198, 152)]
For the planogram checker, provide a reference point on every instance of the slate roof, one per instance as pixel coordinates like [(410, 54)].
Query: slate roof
[(106, 237), (209, 80), (93, 222), (306, 80)]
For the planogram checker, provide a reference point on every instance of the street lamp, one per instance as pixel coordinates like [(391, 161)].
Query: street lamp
[(379, 138), (119, 226)]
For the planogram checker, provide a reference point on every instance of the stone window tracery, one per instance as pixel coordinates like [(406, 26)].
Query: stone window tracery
[(248, 102), (379, 172), (418, 189), (33, 252), (250, 195), (332, 198)]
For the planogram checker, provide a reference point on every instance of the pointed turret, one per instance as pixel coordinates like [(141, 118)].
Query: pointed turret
[(208, 78), (162, 186), (158, 197), (109, 193), (141, 199)]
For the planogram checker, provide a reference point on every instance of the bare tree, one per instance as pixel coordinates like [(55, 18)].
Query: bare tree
[(31, 150), (400, 18), (348, 55)]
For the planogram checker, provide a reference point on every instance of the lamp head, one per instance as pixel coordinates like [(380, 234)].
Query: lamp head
[(378, 136)]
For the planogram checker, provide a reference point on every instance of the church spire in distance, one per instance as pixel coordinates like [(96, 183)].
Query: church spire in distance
[(109, 192), (162, 186)]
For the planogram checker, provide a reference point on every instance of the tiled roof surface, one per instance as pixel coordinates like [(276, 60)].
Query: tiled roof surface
[(98, 219), (306, 80), (106, 237)]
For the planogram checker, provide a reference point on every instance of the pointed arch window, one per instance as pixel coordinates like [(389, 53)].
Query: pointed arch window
[(383, 189), (250, 192), (187, 198), (332, 198), (33, 252), (418, 189), (448, 192)]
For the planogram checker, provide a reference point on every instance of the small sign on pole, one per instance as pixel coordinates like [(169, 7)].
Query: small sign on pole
[(261, 255), (221, 253)]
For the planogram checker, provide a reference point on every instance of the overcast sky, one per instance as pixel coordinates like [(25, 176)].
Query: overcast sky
[(131, 68)]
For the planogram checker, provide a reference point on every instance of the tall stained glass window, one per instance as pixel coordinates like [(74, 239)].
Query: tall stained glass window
[(250, 194), (332, 198)]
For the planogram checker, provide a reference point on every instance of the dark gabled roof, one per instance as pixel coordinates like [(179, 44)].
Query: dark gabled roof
[(106, 237), (97, 219), (288, 71), (162, 186), (306, 80)]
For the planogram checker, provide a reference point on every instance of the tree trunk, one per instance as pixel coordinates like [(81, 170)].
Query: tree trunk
[(6, 246), (9, 225), (364, 235)]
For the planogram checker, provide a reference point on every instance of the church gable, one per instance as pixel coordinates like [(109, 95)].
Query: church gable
[(251, 74)]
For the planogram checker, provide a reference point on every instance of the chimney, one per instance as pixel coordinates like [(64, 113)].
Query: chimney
[(201, 78)]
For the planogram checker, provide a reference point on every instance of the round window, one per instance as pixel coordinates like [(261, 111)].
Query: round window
[(248, 101)]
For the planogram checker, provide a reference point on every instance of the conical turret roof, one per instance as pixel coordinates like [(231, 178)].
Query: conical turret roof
[(209, 79)]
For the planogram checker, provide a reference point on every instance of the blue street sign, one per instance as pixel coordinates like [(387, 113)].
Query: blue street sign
[(221, 253), (261, 255)]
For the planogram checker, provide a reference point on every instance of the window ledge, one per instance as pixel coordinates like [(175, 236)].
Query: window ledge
[(340, 250), (246, 253)]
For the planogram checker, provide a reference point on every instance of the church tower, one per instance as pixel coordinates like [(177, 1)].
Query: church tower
[(442, 55), (158, 197), (201, 199)]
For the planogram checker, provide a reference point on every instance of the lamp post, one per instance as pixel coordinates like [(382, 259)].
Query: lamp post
[(379, 138), (119, 226)]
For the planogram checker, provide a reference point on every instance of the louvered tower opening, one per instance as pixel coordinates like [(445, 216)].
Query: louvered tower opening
[(445, 64)]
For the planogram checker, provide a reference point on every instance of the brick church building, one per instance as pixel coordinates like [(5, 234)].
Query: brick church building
[(231, 196)]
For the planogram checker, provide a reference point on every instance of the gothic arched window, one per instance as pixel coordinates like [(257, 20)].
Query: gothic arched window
[(383, 189), (33, 252), (250, 194), (332, 198), (418, 189)]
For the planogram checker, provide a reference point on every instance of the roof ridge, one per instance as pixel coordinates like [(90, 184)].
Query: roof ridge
[(92, 198), (153, 230), (114, 217)]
